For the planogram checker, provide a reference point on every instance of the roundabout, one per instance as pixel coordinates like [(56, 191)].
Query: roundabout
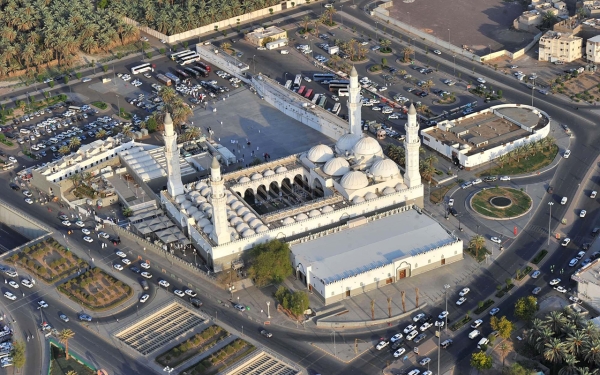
[(501, 203)]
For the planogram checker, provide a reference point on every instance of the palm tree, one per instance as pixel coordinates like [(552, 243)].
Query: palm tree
[(225, 46), (74, 142), (75, 179), (64, 150), (554, 351), (569, 365), (101, 133), (503, 350), (191, 133), (428, 85), (502, 159), (576, 342), (385, 43), (586, 371), (71, 372), (582, 13), (477, 243), (556, 320), (592, 352), (127, 131), (317, 22), (426, 170), (406, 52), (423, 109), (63, 337), (329, 12), (306, 23)]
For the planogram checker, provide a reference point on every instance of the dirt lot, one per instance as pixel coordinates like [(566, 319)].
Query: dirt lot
[(487, 22)]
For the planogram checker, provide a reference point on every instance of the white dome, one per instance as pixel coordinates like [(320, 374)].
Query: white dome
[(241, 227), (256, 176), (347, 142), (242, 211), (261, 229), (231, 215), (254, 223), (209, 212), (237, 204), (400, 187), (354, 180), (186, 205), (358, 199), (367, 147), (203, 223), (233, 234), (327, 209), (208, 229), (193, 194), (205, 191), (200, 199), (320, 154), (200, 185), (231, 199), (268, 173), (301, 217), (248, 233), (281, 170), (198, 215), (389, 190), (236, 221), (336, 167), (243, 179), (180, 199), (314, 213), (192, 210), (288, 220), (370, 196), (249, 216), (384, 168), (205, 206)]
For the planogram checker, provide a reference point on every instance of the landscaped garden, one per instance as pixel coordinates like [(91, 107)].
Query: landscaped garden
[(198, 343), (525, 159), (96, 290), (49, 260), (501, 202), (100, 105), (223, 358), (60, 365)]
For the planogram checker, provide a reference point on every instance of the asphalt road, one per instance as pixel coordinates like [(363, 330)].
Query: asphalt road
[(9, 238)]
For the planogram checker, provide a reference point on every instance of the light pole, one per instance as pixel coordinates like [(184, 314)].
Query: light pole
[(446, 287), (448, 37), (439, 345), (408, 18), (334, 349), (376, 32), (549, 220), (532, 89), (118, 106), (254, 62), (341, 17), (268, 309), (454, 57), (114, 79)]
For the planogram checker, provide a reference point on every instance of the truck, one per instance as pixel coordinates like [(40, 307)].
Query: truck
[(376, 129), (163, 79), (332, 50)]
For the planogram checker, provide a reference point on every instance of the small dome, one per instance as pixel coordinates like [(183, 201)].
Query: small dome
[(314, 213), (234, 235), (192, 210), (200, 199), (231, 199), (384, 168), (346, 142), (243, 179), (354, 180), (281, 170), (180, 199), (261, 229), (248, 233), (367, 147), (320, 154), (358, 199), (237, 204), (327, 209), (268, 173), (288, 220), (236, 221), (249, 216), (256, 176), (301, 217), (400, 187), (336, 167), (186, 204), (208, 229), (209, 212), (389, 190), (254, 223), (205, 206), (231, 215), (200, 185), (198, 215), (202, 223), (193, 194), (370, 196), (241, 227), (205, 191), (242, 211)]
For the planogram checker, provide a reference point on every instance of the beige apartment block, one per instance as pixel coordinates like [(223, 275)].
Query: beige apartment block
[(592, 49), (271, 33), (592, 7), (555, 46), (528, 20)]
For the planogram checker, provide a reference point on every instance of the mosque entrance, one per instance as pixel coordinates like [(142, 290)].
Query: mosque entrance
[(402, 274)]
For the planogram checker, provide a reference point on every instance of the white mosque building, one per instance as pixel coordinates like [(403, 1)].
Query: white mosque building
[(324, 192)]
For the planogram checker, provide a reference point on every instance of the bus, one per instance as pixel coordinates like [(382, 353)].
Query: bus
[(322, 101), (142, 68), (173, 78), (188, 59), (183, 75), (318, 77), (308, 93), (203, 65), (297, 81), (343, 92), (200, 71), (177, 55), (192, 72), (288, 84), (301, 90), (316, 98), (74, 108), (336, 108), (336, 85)]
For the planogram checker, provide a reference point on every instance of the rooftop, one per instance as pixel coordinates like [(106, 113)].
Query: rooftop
[(261, 32), (374, 244), (567, 37)]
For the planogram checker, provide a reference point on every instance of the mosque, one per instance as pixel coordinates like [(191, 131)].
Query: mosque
[(319, 201)]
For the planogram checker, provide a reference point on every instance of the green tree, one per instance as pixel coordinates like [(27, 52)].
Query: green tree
[(151, 125), (51, 84), (63, 337), (503, 326), (18, 354), (149, 54), (549, 19), (477, 243), (526, 307), (105, 68), (78, 75), (64, 150), (66, 79), (270, 262), (299, 302), (384, 62), (481, 361), (102, 4), (499, 93), (518, 369), (74, 142)]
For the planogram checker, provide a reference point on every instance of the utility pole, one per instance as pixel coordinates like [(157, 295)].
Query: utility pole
[(549, 220)]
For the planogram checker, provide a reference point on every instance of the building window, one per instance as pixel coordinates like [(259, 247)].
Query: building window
[(429, 261), (416, 265)]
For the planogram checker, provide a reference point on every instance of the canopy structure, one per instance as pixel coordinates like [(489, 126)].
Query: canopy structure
[(172, 234)]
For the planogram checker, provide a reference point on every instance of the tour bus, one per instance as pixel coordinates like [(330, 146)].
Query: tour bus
[(336, 108), (288, 84), (319, 77), (147, 67), (183, 75), (201, 71), (322, 101), (173, 78), (203, 65), (343, 92), (336, 85), (177, 55), (188, 59), (301, 90), (308, 93), (192, 72), (297, 81), (316, 98), (75, 108)]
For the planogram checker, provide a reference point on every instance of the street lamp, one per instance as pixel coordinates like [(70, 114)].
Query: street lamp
[(454, 57), (532, 89), (549, 220), (118, 106), (446, 287), (254, 62), (376, 31), (341, 16), (268, 310), (448, 38), (334, 349)]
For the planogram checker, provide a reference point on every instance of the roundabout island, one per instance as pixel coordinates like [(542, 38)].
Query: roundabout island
[(501, 203)]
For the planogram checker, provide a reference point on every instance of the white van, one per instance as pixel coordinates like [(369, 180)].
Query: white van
[(474, 334), (53, 140), (285, 52), (483, 341), (563, 200)]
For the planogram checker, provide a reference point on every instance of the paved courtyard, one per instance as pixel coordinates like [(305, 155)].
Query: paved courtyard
[(487, 23)]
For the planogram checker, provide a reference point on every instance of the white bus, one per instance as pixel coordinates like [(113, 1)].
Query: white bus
[(343, 92), (142, 68), (336, 108), (297, 82), (188, 59), (288, 84), (177, 55), (315, 99)]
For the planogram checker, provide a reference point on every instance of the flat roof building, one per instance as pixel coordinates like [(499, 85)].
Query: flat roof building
[(556, 46), (260, 36), (588, 283), (592, 49)]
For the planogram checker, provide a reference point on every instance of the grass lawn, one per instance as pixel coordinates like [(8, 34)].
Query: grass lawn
[(60, 366), (529, 164), (480, 254), (437, 195), (100, 105), (521, 202)]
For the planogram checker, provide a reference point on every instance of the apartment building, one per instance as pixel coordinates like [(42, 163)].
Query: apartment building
[(555, 46), (592, 49)]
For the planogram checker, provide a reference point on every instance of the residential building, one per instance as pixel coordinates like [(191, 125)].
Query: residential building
[(592, 49), (260, 36), (556, 46)]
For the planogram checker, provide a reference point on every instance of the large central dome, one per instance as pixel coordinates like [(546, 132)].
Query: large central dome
[(336, 167), (346, 142), (367, 147), (384, 168), (354, 180), (319, 154)]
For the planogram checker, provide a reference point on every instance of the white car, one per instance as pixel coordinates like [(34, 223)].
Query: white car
[(88, 239), (566, 242), (191, 293), (450, 202), (410, 328), (477, 181), (396, 337), (85, 231), (42, 304), (118, 267), (261, 48), (412, 335), (461, 300), (147, 275), (121, 254), (307, 79), (593, 194), (480, 80), (26, 283), (66, 223), (414, 372), (536, 274), (179, 293), (554, 281), (334, 97), (437, 52), (560, 289), (496, 240), (505, 178), (425, 326), (163, 283), (443, 315), (28, 201), (64, 318), (86, 79), (27, 193), (582, 213), (399, 352), (439, 323), (477, 323), (144, 298), (126, 261), (376, 108), (145, 265), (10, 296), (418, 317), (494, 311), (80, 223), (13, 284), (381, 345), (567, 154), (464, 292), (536, 290), (104, 235), (425, 361), (12, 159), (393, 116)]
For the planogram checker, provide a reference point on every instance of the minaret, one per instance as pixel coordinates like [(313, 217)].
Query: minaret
[(174, 186), (412, 143), (220, 233), (354, 104)]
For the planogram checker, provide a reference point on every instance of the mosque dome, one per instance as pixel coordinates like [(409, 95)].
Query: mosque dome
[(268, 173), (233, 234), (236, 221), (367, 146), (301, 217), (242, 227), (200, 185), (354, 180), (281, 169), (389, 190), (288, 220), (198, 215), (237, 204), (200, 199), (205, 191), (261, 229), (205, 206), (243, 179), (358, 199), (384, 168), (256, 176), (346, 142), (192, 210), (248, 233), (209, 212), (231, 199), (336, 167), (180, 199), (208, 229), (320, 154), (254, 223), (314, 213), (242, 211), (231, 214), (370, 195), (249, 216), (202, 223), (193, 194), (186, 205), (400, 187), (327, 209)]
